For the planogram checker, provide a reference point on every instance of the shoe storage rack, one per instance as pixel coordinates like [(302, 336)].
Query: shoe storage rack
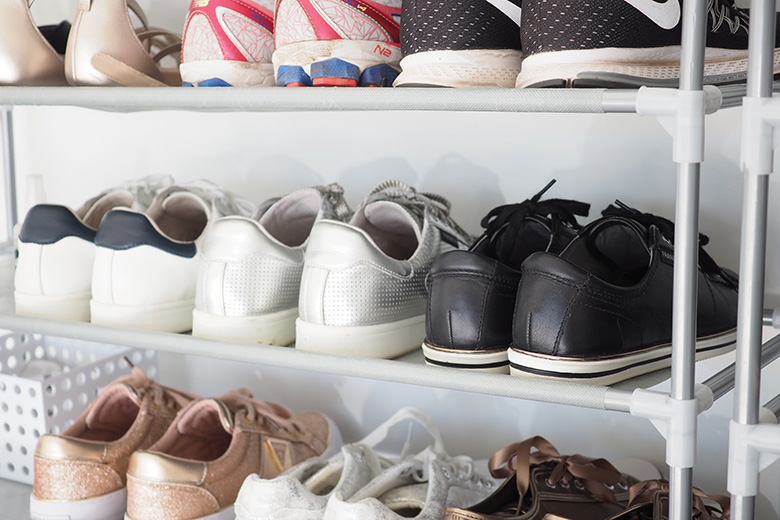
[(753, 444)]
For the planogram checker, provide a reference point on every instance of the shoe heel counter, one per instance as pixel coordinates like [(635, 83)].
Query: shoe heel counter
[(559, 311), (63, 268), (136, 265), (336, 248), (183, 500), (469, 305), (68, 480)]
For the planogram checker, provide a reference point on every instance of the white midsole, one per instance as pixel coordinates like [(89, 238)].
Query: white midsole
[(268, 329), (386, 340), (495, 361), (237, 73), (362, 53), (655, 63), (614, 369), (226, 514), (464, 68), (73, 307), (164, 317), (110, 506)]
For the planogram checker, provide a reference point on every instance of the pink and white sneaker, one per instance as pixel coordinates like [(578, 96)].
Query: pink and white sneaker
[(228, 43), (344, 43)]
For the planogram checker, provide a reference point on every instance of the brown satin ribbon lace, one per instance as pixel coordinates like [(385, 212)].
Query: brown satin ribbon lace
[(598, 476), (646, 491)]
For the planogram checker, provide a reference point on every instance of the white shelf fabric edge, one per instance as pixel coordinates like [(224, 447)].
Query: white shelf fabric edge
[(408, 369)]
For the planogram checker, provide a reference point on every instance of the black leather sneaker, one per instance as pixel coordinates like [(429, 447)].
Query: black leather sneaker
[(601, 311), (471, 294)]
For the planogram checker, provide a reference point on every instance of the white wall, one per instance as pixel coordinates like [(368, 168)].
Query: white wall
[(476, 160)]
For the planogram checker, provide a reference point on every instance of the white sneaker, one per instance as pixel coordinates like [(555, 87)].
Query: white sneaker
[(302, 492), (146, 263), (420, 488), (53, 277), (250, 268), (363, 285)]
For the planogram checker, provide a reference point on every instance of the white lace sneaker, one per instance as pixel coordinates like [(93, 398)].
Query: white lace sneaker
[(56, 244), (250, 267), (146, 263), (420, 488), (302, 492), (363, 285)]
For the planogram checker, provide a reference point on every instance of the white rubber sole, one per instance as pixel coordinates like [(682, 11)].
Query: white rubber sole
[(74, 307), (386, 341), (225, 514), (269, 329), (461, 69), (236, 73), (614, 369), (493, 361), (165, 317), (361, 53), (106, 507), (660, 66)]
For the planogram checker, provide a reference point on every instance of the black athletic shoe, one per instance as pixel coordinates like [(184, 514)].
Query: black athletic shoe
[(627, 43), (601, 311), (458, 43), (471, 296)]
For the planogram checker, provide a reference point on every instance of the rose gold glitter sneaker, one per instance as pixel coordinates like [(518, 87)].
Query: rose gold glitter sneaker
[(81, 474), (196, 469)]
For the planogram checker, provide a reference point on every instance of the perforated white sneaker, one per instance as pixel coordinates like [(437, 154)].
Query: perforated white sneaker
[(146, 266), (302, 492), (53, 277), (363, 285), (250, 267)]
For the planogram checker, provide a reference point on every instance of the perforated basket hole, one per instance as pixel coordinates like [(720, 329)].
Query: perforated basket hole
[(4, 407), (51, 390), (109, 367), (34, 413), (66, 384), (10, 343), (82, 399), (94, 373), (81, 379), (67, 405), (11, 467), (53, 411), (8, 447), (2, 386), (19, 410), (22, 430), (6, 427), (79, 356), (23, 450), (17, 389), (11, 362), (52, 351), (137, 357), (152, 372), (32, 392), (24, 339), (39, 352)]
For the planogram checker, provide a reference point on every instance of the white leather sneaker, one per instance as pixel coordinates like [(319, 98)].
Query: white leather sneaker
[(302, 492), (250, 267), (363, 285), (53, 277), (146, 265)]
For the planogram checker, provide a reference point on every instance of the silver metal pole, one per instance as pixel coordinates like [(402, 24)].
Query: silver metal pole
[(694, 32), (769, 317), (774, 406), (9, 170), (753, 247), (723, 382)]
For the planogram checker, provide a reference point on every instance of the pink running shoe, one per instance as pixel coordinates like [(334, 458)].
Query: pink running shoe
[(228, 43), (343, 43)]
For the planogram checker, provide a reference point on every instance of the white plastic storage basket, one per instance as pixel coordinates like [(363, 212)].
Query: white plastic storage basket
[(37, 398)]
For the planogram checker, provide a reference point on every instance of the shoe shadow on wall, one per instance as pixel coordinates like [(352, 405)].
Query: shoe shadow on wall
[(472, 189)]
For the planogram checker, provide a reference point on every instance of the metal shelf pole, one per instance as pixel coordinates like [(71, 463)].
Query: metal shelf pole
[(686, 249), (753, 247), (9, 171)]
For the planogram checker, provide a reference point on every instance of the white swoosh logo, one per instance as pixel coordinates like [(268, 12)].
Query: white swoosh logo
[(666, 15)]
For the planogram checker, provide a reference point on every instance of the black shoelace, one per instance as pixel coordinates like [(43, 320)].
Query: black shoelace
[(666, 228), (512, 216)]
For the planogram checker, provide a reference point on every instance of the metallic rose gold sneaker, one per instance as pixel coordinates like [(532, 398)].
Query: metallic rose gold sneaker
[(196, 469), (81, 474), (27, 56)]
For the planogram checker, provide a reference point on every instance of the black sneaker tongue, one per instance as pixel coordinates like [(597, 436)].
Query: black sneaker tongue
[(56, 35)]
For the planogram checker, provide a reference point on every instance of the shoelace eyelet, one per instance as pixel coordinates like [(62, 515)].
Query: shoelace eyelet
[(550, 484)]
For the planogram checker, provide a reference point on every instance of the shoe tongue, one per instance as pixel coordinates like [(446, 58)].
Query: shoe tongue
[(206, 417), (115, 409), (511, 245)]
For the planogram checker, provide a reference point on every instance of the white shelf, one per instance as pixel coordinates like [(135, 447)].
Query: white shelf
[(124, 99), (408, 369)]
